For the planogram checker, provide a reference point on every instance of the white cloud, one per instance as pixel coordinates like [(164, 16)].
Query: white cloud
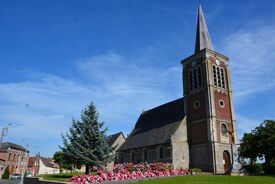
[(122, 86), (41, 108), (129, 85), (251, 52), (245, 124)]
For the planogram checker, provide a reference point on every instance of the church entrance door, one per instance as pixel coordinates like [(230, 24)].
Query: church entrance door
[(226, 161)]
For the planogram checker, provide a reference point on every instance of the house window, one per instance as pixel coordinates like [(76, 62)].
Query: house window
[(218, 77), (195, 78), (145, 155), (224, 129), (161, 153)]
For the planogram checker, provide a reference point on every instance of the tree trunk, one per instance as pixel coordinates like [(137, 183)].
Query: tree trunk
[(87, 169)]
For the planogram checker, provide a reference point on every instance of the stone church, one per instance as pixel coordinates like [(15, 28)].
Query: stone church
[(197, 130)]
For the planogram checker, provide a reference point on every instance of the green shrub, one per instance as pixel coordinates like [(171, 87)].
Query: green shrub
[(269, 169), (254, 168), (6, 174), (196, 170)]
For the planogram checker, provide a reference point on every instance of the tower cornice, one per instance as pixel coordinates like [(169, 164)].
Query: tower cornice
[(203, 53)]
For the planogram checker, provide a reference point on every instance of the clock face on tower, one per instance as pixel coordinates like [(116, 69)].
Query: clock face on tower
[(218, 62)]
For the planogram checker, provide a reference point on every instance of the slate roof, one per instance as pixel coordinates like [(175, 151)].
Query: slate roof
[(6, 145), (156, 126), (48, 162), (31, 161), (2, 158), (112, 138), (203, 39)]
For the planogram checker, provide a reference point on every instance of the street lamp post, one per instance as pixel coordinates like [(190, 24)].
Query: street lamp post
[(3, 133)]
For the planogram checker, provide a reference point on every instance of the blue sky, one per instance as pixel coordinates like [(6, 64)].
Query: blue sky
[(57, 56)]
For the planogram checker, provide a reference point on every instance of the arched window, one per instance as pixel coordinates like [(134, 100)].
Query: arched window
[(224, 129), (145, 155), (195, 78), (218, 77), (191, 80), (161, 153), (199, 76)]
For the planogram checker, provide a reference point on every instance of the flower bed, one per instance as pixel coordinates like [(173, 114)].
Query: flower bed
[(130, 171)]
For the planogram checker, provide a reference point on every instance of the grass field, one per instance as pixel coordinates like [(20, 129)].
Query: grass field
[(211, 179), (198, 179), (59, 177)]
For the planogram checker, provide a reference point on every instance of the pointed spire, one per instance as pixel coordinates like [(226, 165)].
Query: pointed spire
[(203, 39)]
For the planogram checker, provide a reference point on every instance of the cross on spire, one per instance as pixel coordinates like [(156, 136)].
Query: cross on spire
[(203, 39)]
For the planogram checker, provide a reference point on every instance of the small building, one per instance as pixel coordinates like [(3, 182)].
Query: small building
[(15, 157), (116, 140), (41, 165), (2, 164)]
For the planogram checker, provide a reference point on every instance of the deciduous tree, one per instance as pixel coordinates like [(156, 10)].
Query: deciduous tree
[(260, 143)]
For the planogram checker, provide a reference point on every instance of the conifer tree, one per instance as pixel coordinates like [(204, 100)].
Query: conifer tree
[(86, 141)]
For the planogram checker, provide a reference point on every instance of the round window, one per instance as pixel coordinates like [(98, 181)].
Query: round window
[(221, 103), (197, 104)]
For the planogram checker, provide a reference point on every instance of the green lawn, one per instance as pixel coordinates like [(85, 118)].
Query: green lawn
[(207, 179), (198, 179), (59, 177)]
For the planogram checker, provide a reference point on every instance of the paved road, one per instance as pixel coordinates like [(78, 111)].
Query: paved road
[(9, 181)]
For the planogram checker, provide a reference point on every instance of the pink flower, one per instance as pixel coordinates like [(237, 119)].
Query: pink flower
[(130, 171)]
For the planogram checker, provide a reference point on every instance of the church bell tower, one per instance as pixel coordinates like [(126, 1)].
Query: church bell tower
[(208, 105)]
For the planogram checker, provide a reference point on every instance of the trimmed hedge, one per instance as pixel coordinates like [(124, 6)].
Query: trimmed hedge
[(6, 174), (269, 169), (254, 169), (196, 170)]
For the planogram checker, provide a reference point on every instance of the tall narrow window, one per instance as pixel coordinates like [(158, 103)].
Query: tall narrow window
[(191, 80), (215, 76), (222, 78), (121, 157), (195, 78), (218, 77), (161, 153), (133, 156), (223, 129), (199, 76), (145, 155)]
